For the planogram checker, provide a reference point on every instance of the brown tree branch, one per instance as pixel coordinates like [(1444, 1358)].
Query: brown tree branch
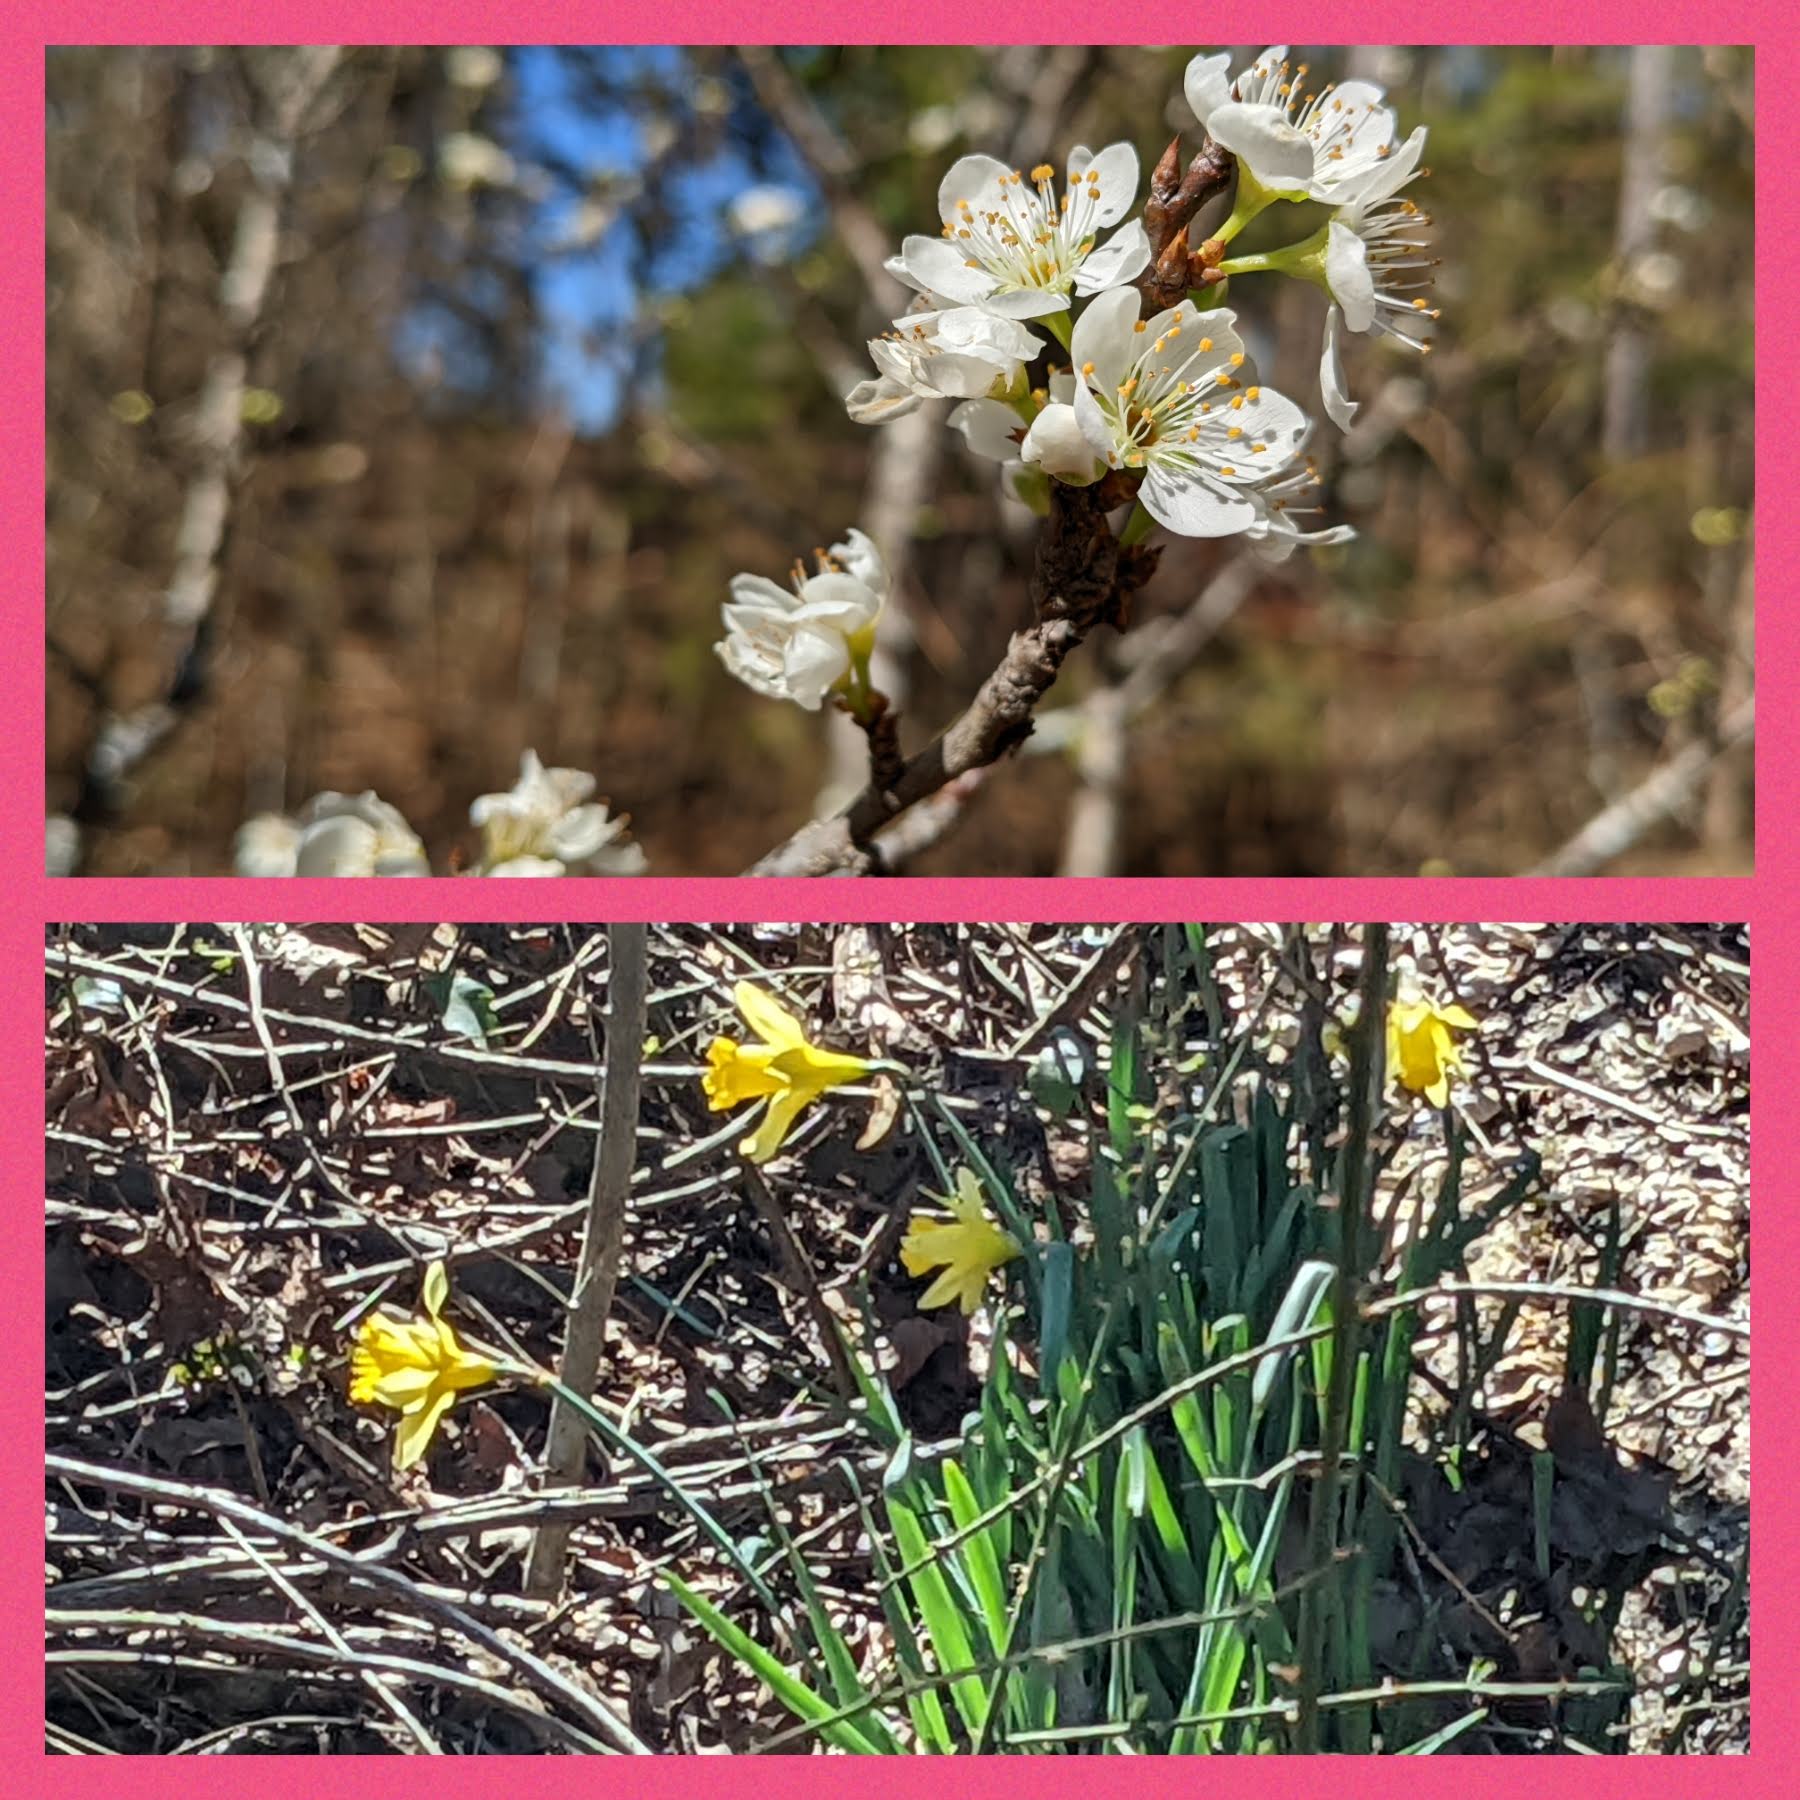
[(1174, 200), (1083, 578)]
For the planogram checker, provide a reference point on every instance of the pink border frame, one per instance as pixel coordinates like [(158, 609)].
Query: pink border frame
[(1768, 900)]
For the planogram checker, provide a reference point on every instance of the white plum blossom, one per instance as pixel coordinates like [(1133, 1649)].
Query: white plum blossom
[(1373, 265), (1278, 502), (356, 835), (1324, 148), (1045, 434), (1010, 247), (799, 646), (940, 352), (545, 825), (268, 844), (1057, 444), (1177, 397)]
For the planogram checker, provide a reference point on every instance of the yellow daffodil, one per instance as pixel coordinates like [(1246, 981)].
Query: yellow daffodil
[(784, 1069), (1421, 1054), (969, 1248), (415, 1366)]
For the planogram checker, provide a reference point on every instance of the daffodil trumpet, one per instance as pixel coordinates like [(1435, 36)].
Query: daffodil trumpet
[(966, 1248), (1422, 1056), (787, 1069), (417, 1366)]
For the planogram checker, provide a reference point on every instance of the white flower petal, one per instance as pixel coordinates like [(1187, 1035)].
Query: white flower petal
[(1276, 152), (937, 264), (1093, 425), (1117, 167), (1207, 85), (836, 601), (1104, 336), (1189, 506), (861, 558), (876, 402), (1057, 443), (976, 331), (759, 594), (337, 846), (1339, 407), (528, 865), (987, 427), (1122, 258), (1347, 273), (815, 661), (976, 179)]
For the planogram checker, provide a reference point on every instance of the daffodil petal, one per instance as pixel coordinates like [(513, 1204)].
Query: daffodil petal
[(768, 1137), (413, 1438), (767, 1017), (951, 1285), (816, 1070)]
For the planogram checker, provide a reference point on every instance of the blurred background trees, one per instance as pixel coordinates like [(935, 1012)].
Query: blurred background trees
[(411, 407)]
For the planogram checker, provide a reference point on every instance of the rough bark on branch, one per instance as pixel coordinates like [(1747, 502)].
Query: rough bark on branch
[(1084, 577)]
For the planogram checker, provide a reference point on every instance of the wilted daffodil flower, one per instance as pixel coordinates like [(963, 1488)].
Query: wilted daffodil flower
[(804, 645), (415, 1366), (785, 1068), (1421, 1054), (968, 1248)]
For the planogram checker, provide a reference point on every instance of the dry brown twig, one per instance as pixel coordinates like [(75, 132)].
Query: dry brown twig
[(597, 1274), (1084, 578)]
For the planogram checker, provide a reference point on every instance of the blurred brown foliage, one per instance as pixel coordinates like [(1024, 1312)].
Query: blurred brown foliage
[(426, 568)]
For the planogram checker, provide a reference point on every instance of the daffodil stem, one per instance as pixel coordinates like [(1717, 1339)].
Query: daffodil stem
[(1137, 527), (805, 1281)]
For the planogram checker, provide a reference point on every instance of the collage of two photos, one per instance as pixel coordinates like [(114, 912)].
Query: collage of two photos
[(911, 1315)]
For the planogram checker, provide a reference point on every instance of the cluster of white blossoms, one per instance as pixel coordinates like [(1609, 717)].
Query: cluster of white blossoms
[(815, 641), (1339, 147), (1173, 398), (543, 825)]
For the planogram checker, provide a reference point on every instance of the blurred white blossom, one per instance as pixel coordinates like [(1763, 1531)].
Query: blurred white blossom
[(546, 825), (356, 834), (473, 66), (62, 845), (267, 845), (799, 646), (466, 160), (765, 207)]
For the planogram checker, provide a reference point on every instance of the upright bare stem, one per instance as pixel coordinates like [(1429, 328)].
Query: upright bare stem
[(598, 1273)]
